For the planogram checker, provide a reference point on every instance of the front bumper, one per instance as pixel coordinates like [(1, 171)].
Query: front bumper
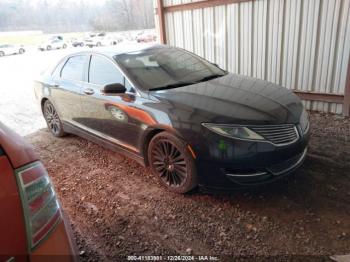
[(243, 163), (267, 174)]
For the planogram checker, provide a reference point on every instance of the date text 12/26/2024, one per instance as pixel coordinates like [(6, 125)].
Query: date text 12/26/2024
[(172, 258)]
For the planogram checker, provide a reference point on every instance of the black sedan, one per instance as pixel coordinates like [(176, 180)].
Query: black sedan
[(190, 121)]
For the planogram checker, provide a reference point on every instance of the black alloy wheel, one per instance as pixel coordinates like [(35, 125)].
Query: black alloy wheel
[(171, 161), (52, 119)]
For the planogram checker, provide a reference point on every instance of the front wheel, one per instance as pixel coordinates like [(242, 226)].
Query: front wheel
[(48, 48), (53, 121), (171, 161), (64, 46)]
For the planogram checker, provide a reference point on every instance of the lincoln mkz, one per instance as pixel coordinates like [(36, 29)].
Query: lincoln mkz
[(190, 121)]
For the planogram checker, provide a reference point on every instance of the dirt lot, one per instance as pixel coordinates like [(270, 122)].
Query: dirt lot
[(18, 107), (118, 209)]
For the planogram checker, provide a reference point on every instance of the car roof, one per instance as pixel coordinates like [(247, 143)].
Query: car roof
[(121, 49)]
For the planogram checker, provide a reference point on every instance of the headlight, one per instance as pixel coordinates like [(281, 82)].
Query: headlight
[(304, 121), (240, 132)]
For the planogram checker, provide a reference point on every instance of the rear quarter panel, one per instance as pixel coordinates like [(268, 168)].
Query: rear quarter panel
[(13, 240), (57, 246), (17, 150)]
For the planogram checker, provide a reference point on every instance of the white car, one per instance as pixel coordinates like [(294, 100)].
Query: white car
[(53, 44), (93, 41), (112, 40), (11, 50)]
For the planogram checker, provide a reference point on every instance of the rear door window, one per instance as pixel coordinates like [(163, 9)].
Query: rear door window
[(74, 68), (57, 70)]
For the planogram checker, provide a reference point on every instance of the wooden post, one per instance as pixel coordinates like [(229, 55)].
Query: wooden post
[(161, 19), (346, 103)]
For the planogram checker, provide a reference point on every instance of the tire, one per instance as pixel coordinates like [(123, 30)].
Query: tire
[(21, 51), (53, 121), (171, 161), (2, 53), (48, 48), (64, 46)]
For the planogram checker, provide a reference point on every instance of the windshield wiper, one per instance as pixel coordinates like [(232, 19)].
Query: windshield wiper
[(207, 78), (170, 86)]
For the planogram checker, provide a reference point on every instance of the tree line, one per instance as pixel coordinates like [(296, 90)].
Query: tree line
[(70, 16)]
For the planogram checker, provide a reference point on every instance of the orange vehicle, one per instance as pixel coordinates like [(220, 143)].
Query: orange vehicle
[(31, 220)]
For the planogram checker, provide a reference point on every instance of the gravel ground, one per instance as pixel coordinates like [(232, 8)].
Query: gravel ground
[(117, 208)]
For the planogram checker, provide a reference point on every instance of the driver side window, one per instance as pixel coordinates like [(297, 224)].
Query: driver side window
[(103, 72)]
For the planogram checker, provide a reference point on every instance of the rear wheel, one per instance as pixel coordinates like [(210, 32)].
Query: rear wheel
[(48, 48), (53, 121), (171, 161), (21, 51), (64, 46)]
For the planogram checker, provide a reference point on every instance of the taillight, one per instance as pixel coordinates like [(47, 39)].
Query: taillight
[(40, 205)]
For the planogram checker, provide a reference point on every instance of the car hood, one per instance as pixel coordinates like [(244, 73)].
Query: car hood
[(17, 150), (235, 99)]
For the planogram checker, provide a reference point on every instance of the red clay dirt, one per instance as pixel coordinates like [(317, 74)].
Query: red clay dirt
[(117, 208)]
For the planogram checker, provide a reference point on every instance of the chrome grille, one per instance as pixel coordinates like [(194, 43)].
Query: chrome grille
[(278, 134)]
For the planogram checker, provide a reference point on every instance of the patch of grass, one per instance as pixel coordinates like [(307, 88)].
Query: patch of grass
[(35, 39)]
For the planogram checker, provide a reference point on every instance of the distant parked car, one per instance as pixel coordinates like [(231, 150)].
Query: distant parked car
[(93, 41), (53, 44), (31, 220), (77, 43), (102, 34), (56, 37), (112, 40), (11, 50), (146, 38)]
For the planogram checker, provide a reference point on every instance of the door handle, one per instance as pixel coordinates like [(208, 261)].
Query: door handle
[(89, 91)]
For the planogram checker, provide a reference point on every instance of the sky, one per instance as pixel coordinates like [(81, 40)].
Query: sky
[(95, 2)]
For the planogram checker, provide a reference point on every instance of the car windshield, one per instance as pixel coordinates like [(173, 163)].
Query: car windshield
[(165, 68)]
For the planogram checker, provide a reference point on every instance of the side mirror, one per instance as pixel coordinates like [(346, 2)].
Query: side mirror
[(116, 88)]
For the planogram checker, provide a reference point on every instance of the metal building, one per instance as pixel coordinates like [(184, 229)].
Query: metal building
[(303, 45)]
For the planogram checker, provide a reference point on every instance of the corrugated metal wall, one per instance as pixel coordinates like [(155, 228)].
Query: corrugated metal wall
[(300, 44)]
